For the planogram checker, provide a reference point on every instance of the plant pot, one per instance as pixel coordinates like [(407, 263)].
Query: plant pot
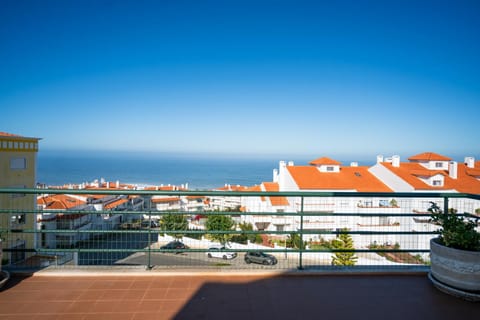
[(458, 269)]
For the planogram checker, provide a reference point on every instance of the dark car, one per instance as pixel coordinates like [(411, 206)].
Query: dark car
[(260, 257), (174, 245)]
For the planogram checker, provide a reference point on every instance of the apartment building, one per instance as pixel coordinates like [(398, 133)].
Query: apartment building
[(18, 165), (425, 172)]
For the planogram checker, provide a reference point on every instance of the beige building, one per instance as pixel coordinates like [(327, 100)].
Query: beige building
[(18, 163)]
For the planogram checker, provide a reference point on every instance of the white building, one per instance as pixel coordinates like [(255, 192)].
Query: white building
[(426, 172)]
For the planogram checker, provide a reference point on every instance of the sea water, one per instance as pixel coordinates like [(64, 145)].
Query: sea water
[(198, 171)]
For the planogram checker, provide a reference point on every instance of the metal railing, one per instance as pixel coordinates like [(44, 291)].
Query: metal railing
[(306, 230)]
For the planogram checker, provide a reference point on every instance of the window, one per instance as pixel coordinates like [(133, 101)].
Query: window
[(438, 164), (18, 218), (330, 168), (437, 183), (18, 163)]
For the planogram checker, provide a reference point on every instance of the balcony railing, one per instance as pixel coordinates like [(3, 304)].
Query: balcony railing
[(311, 230)]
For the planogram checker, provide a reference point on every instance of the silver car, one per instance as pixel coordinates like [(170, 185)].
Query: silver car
[(260, 257)]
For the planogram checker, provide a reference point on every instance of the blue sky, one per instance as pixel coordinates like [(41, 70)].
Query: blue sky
[(344, 78)]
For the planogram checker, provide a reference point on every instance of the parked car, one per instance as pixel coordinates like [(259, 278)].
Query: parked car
[(217, 252), (174, 245), (260, 257)]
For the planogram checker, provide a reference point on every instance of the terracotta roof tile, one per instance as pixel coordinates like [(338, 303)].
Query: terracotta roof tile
[(165, 200), (324, 161), (115, 203), (349, 178), (464, 182), (275, 201), (255, 188), (6, 134), (59, 202), (406, 171), (472, 172), (427, 173), (429, 156)]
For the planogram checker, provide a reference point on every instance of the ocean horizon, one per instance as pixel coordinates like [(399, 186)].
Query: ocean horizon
[(199, 171)]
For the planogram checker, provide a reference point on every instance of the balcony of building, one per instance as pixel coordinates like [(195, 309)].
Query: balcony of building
[(129, 273)]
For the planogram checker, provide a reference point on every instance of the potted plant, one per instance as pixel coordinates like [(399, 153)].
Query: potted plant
[(455, 254)]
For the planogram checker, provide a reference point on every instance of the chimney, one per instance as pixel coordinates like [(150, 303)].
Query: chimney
[(453, 169), (379, 158), (354, 164), (396, 161), (470, 162), (275, 175), (117, 184), (290, 163)]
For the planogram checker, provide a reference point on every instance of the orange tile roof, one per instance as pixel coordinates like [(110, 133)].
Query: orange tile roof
[(115, 203), (6, 134), (59, 202), (464, 182), (195, 197), (429, 156), (473, 172), (324, 161), (349, 178), (255, 188), (165, 200), (16, 136), (275, 201), (406, 172), (427, 173)]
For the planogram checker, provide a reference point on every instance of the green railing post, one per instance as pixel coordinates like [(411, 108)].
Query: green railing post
[(445, 205), (300, 266), (149, 266)]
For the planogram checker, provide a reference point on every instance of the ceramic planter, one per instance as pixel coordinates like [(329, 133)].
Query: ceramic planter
[(455, 268)]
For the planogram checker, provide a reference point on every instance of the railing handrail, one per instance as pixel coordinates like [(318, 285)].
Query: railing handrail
[(242, 193)]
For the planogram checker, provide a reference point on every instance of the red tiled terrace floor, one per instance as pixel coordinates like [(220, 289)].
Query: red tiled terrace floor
[(230, 297)]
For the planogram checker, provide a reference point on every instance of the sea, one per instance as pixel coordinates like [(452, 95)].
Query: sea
[(197, 171)]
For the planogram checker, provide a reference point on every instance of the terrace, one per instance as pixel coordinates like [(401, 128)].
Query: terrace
[(121, 272)]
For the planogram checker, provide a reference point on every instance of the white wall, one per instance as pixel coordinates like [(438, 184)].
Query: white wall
[(390, 179)]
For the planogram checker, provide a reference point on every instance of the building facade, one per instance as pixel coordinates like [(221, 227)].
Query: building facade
[(18, 165)]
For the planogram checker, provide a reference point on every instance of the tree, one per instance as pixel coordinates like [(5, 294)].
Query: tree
[(343, 242), (294, 241), (219, 223), (174, 222)]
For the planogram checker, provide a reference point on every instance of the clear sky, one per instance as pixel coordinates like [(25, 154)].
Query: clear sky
[(329, 78)]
